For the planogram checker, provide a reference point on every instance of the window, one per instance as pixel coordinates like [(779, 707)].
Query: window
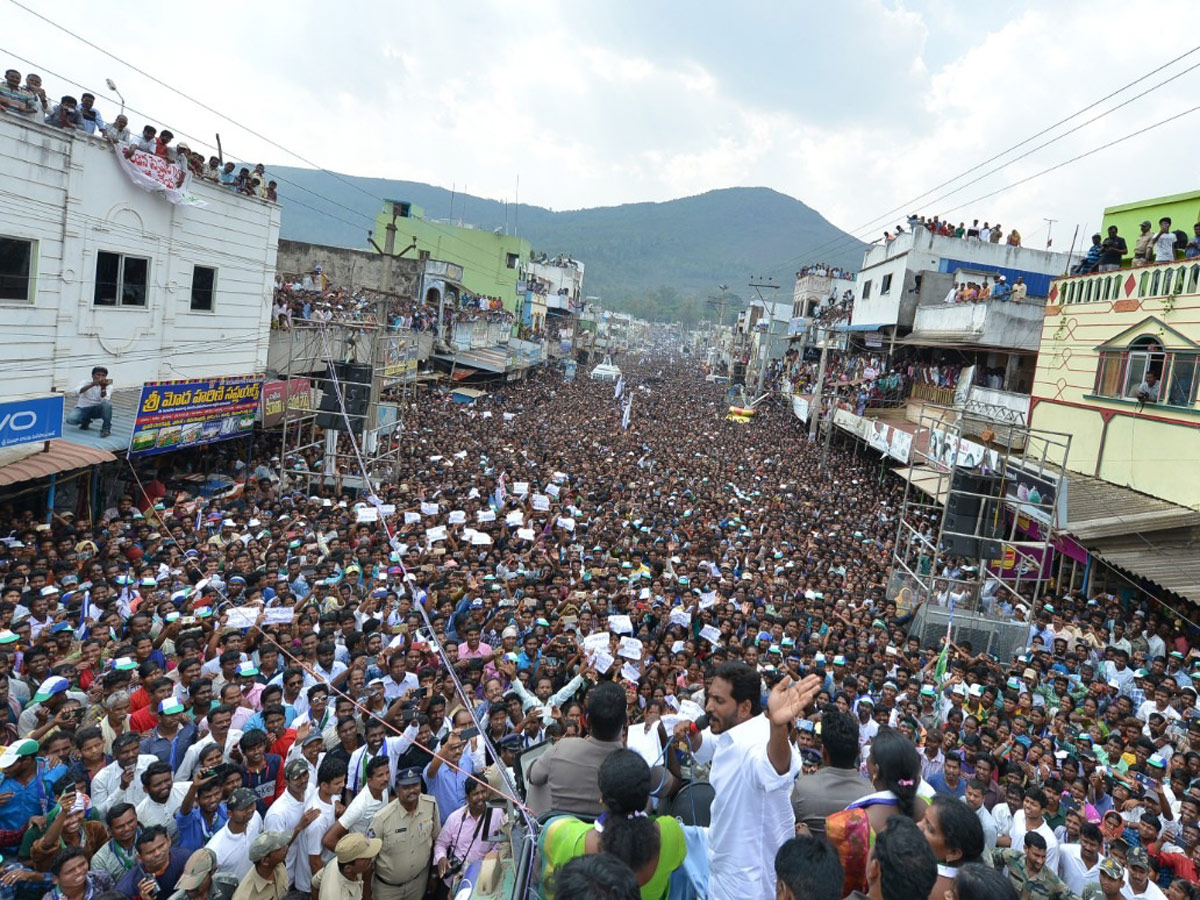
[(1121, 373), (121, 280), (510, 260), (866, 294), (16, 264), (204, 286), (885, 286)]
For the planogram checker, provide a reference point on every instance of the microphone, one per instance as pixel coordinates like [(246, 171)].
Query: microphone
[(701, 722)]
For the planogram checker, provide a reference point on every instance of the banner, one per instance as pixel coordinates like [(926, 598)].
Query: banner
[(295, 392), (1041, 495), (157, 175), (402, 360), (900, 446), (30, 421), (174, 414), (800, 407)]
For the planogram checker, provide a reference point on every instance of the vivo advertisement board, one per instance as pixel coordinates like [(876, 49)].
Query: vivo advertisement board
[(31, 420)]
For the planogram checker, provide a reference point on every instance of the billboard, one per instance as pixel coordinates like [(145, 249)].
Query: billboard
[(296, 393), (175, 414), (32, 420), (1036, 492)]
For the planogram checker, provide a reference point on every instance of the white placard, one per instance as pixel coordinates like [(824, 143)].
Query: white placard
[(242, 617), (516, 517), (560, 477), (520, 488), (690, 710), (367, 514), (711, 633), (485, 515), (678, 647), (630, 648), (630, 672), (437, 458), (437, 533), (671, 701), (541, 502), (645, 594), (568, 524), (707, 600), (457, 517), (411, 518), (602, 661), (461, 454), (681, 617), (598, 640), (525, 534), (552, 490), (278, 615), (387, 509), (479, 539), (620, 624), (508, 417), (429, 509)]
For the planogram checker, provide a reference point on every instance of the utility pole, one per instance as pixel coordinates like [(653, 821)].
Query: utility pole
[(762, 349), (379, 355), (1049, 229), (815, 412)]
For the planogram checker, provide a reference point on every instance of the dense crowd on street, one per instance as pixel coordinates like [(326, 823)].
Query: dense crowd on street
[(258, 696), (28, 99)]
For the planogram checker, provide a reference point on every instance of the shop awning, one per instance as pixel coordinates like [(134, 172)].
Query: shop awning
[(125, 404), (927, 480), (1097, 510), (462, 372), (30, 461), (1170, 559), (873, 327)]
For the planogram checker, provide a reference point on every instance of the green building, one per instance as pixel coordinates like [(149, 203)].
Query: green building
[(492, 263), (1183, 210)]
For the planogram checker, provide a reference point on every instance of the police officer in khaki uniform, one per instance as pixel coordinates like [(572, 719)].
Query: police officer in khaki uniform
[(408, 827)]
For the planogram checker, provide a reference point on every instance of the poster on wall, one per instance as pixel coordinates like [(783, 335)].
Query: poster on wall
[(175, 414), (1037, 493)]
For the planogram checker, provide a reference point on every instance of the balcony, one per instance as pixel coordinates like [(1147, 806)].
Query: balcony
[(1126, 288), (989, 324)]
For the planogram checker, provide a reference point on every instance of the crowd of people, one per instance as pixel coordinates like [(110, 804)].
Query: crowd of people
[(29, 100), (1150, 246), (260, 694), (825, 270), (987, 232), (981, 292)]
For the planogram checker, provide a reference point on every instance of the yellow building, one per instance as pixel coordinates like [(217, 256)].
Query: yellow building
[(1118, 371)]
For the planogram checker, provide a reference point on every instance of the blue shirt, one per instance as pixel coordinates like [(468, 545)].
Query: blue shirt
[(29, 800), (194, 832), (938, 783), (170, 750), (448, 784)]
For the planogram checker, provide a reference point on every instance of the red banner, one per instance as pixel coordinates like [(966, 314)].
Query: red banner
[(296, 393), (157, 175)]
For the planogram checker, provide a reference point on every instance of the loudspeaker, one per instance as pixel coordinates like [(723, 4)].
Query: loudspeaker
[(353, 382), (956, 545)]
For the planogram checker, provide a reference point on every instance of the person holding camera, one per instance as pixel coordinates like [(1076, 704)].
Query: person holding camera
[(1147, 391), (466, 835), (408, 827), (93, 401)]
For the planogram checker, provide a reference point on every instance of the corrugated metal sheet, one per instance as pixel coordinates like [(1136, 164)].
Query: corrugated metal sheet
[(1170, 559), (124, 403), (1097, 509), (31, 461)]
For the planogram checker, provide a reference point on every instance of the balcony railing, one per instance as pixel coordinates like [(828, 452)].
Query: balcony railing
[(933, 394), (1157, 280)]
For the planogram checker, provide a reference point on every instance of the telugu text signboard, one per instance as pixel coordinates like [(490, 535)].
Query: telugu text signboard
[(176, 414), (296, 393), (31, 420)]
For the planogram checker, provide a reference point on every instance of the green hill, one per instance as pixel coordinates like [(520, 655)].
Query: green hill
[(659, 260)]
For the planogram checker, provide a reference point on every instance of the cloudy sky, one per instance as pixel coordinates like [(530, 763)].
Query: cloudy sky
[(856, 107)]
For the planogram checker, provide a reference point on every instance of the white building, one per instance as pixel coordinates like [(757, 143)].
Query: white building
[(559, 279), (96, 271), (920, 267)]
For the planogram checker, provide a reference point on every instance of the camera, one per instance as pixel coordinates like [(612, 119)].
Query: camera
[(454, 865)]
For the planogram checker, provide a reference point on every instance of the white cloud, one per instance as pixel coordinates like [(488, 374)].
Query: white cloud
[(854, 108)]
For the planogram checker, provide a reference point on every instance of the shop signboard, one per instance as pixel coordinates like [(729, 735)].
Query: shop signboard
[(172, 415)]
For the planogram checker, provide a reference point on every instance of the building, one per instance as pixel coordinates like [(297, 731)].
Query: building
[(1182, 209), (919, 267), (97, 271), (492, 263), (1134, 445)]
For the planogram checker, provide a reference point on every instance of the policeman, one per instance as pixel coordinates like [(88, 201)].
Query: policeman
[(407, 827)]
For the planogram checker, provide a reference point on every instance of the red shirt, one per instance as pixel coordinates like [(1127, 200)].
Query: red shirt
[(143, 720)]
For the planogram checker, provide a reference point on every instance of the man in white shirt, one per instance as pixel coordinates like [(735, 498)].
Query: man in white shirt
[(93, 401), (1031, 818), (361, 810), (378, 745), (163, 798), (1138, 885), (231, 843), (974, 799), (753, 765), (121, 780), (1079, 864), (1164, 242), (285, 814), (331, 781)]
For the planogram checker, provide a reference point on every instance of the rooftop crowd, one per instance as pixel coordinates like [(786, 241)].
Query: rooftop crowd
[(80, 115), (240, 697), (987, 232)]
